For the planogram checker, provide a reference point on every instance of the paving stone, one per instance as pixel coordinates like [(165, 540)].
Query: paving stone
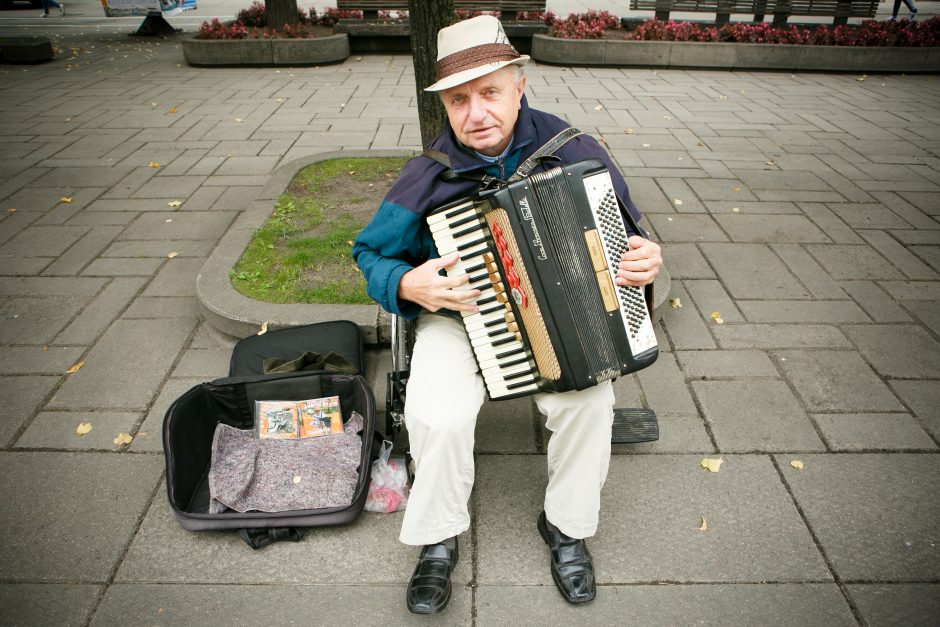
[(687, 228), (905, 210), (909, 290), (102, 218), (177, 278), (930, 254), (903, 604), (43, 241), (46, 493), (685, 261), (651, 510), (115, 375), (710, 296), (163, 307), (664, 387), (647, 195), (926, 312), (207, 337), (508, 427), (83, 252), (875, 302), (761, 416), (836, 381), (831, 224), (57, 430), (672, 604), (718, 364), (98, 314), (678, 433), (685, 325), (824, 311), (853, 262), (209, 363), (273, 604), (895, 541), (366, 551), (123, 267), (180, 225), (751, 271), (767, 179), (53, 360), (779, 336), (901, 257), (36, 320), (902, 351), (247, 165), (873, 432), (721, 189), (677, 189), (22, 396), (770, 228), (48, 604), (871, 216), (750, 207), (159, 248)]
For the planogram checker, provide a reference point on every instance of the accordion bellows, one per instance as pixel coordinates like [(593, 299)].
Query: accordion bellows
[(544, 252)]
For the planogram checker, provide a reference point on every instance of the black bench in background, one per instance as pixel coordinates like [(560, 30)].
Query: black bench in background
[(507, 8), (839, 10)]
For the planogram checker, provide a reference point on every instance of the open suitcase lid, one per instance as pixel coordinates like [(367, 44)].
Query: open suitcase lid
[(340, 336)]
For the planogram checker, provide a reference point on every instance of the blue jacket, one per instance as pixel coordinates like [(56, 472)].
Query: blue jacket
[(398, 239)]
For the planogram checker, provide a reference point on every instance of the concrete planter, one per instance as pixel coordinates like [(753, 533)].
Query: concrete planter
[(738, 56), (262, 52)]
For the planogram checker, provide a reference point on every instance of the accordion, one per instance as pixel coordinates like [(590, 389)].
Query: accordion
[(544, 252)]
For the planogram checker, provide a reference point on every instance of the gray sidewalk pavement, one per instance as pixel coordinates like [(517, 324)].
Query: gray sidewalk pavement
[(801, 208)]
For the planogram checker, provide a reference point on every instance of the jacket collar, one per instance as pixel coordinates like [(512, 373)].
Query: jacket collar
[(462, 159)]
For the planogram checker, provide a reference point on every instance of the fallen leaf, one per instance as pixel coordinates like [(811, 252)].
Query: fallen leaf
[(669, 219), (168, 220), (711, 464), (153, 164), (123, 438), (717, 318), (352, 173), (630, 131), (11, 210), (675, 303), (68, 119), (75, 367), (153, 104), (736, 189), (173, 110), (769, 163), (676, 201), (172, 255), (66, 199), (797, 464), (45, 348), (239, 120), (735, 209), (83, 428), (722, 97), (264, 328), (646, 145), (704, 525), (598, 108), (174, 203), (297, 479), (666, 117), (719, 321), (861, 78)]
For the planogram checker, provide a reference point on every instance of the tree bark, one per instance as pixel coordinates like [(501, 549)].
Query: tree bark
[(427, 17), (280, 12)]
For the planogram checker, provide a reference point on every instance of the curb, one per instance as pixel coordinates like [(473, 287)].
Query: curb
[(232, 313), (264, 52), (732, 56)]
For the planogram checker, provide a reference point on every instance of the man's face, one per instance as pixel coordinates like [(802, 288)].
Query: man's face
[(483, 112)]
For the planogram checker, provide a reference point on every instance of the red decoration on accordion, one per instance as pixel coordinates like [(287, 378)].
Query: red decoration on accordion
[(515, 286)]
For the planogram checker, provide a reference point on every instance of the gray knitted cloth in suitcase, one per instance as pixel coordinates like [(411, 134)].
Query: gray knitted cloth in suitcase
[(248, 474)]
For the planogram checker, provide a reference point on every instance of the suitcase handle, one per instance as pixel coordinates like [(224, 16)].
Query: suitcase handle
[(260, 538)]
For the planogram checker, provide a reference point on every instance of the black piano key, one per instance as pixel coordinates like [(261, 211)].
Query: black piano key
[(458, 211), (521, 384), (470, 218), (506, 340), (471, 244), (467, 231), (514, 362), (498, 331), (487, 300), (515, 351), (475, 268), (517, 375)]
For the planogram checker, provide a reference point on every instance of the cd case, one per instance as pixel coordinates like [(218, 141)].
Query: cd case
[(295, 420)]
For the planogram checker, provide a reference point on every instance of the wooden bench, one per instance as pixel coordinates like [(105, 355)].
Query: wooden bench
[(507, 8), (840, 10)]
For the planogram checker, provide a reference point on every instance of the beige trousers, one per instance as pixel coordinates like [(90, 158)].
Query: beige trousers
[(443, 398)]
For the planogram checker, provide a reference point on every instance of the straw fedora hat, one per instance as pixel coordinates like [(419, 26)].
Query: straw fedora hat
[(471, 49)]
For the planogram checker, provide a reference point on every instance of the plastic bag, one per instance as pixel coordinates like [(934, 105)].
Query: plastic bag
[(388, 491)]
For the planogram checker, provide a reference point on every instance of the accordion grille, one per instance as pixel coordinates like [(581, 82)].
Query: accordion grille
[(531, 317)]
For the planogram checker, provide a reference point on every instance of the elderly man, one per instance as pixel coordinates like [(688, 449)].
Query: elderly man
[(491, 131)]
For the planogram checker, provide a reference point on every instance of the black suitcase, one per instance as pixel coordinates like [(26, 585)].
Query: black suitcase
[(191, 420)]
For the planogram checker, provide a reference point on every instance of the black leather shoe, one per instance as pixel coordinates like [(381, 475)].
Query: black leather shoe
[(572, 566), (429, 589)]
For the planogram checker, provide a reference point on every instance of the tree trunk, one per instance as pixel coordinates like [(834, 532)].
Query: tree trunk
[(280, 12), (427, 17)]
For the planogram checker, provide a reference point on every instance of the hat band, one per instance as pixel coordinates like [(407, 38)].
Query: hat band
[(475, 57)]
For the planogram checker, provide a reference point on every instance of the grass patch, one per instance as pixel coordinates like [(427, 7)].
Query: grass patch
[(302, 254)]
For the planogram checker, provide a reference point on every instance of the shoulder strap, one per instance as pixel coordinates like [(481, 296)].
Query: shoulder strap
[(448, 174), (547, 149)]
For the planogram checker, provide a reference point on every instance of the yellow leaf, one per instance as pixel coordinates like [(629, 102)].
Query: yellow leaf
[(735, 209), (153, 164), (172, 255), (629, 131), (715, 315), (676, 201), (352, 173), (11, 210), (173, 110), (598, 108), (45, 348), (123, 438), (239, 120), (75, 367), (712, 465), (174, 203), (83, 428), (704, 525), (736, 189), (263, 329), (675, 303), (66, 199), (797, 464)]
